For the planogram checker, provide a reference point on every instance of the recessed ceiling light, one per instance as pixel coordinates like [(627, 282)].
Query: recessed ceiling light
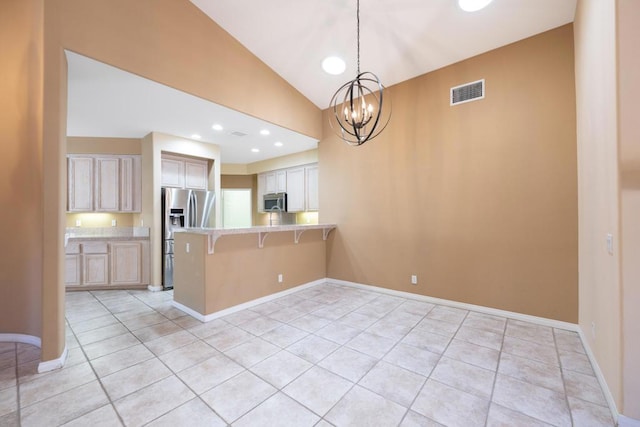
[(255, 150), (196, 136), (217, 127), (333, 65), (264, 132), (473, 5), (278, 144)]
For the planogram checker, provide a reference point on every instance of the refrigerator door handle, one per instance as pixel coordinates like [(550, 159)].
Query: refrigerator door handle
[(194, 211)]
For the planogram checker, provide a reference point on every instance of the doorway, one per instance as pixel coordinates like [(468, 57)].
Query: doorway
[(236, 208)]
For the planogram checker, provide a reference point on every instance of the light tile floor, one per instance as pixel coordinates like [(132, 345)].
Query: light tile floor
[(327, 355)]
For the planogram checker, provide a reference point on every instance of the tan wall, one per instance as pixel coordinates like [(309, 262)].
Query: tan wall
[(94, 145), (288, 161), (628, 15), (477, 200), (595, 53), (151, 38), (21, 193), (292, 160), (239, 271), (172, 42)]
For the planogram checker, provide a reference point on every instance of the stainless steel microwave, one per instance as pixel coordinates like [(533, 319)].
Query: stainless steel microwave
[(274, 202)]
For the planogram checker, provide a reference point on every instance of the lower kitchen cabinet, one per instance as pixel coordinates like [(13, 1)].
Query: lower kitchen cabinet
[(96, 269), (126, 263), (72, 270), (100, 264)]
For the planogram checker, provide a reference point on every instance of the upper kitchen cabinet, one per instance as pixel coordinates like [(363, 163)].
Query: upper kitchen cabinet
[(295, 190), (107, 195), (275, 182), (300, 183), (271, 182), (80, 184), (311, 187), (182, 172), (103, 183)]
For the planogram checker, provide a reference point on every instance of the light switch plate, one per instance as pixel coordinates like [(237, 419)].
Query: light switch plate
[(610, 243)]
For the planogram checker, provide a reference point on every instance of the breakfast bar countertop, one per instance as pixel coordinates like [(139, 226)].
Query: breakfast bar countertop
[(262, 231)]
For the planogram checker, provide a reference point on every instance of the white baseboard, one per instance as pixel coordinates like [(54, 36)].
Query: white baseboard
[(478, 308), (155, 288), (21, 338), (50, 365), (600, 376), (628, 422), (248, 304)]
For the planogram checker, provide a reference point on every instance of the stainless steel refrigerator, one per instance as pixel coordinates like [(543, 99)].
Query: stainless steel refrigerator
[(182, 209)]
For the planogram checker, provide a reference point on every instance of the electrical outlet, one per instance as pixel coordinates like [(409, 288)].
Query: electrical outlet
[(279, 278), (186, 248), (414, 279), (78, 223), (113, 222), (593, 330)]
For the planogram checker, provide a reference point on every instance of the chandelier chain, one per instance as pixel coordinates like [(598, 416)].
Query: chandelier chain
[(358, 32)]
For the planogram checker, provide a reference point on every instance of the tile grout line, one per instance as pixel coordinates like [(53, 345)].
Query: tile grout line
[(564, 386), (104, 390), (18, 409), (495, 377), (175, 374), (435, 365)]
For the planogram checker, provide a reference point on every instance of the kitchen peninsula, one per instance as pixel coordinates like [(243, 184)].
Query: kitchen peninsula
[(218, 269)]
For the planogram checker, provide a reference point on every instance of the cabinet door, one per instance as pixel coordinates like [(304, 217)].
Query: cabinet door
[(95, 271), (126, 263), (72, 270), (281, 181), (130, 184), (295, 190), (262, 189), (107, 184), (271, 183), (196, 175), (80, 184), (311, 188), (172, 173)]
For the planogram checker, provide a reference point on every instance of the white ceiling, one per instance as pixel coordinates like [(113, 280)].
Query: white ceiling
[(400, 39)]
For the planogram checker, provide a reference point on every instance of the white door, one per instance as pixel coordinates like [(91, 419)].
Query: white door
[(236, 208)]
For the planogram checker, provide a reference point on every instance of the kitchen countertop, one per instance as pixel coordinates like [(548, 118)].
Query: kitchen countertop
[(106, 233), (262, 231)]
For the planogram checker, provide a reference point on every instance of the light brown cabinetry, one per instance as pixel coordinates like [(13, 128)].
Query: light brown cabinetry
[(183, 172), (311, 188), (295, 190), (107, 263), (104, 183), (95, 263), (126, 263), (80, 184), (73, 265), (107, 195), (300, 183)]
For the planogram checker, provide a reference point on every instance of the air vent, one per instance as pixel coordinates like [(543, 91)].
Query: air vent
[(236, 133), (467, 92)]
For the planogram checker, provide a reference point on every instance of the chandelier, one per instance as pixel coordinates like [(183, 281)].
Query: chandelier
[(358, 112)]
